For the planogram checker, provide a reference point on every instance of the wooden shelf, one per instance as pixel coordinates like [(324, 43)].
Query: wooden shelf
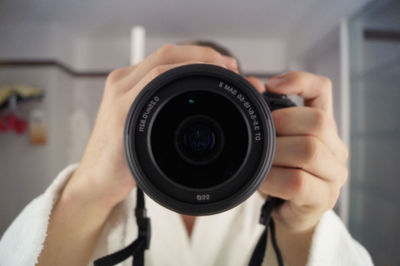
[(53, 63)]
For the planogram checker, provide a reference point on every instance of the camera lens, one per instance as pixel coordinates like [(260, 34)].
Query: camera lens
[(199, 145), (199, 140)]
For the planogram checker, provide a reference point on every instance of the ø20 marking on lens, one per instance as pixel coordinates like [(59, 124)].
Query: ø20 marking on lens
[(203, 197)]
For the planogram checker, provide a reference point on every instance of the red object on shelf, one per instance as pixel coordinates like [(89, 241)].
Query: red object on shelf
[(11, 122), (3, 126)]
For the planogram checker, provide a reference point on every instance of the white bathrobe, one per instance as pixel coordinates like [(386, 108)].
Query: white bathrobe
[(224, 239)]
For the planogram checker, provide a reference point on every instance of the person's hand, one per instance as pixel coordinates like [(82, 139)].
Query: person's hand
[(103, 172), (103, 179), (309, 165)]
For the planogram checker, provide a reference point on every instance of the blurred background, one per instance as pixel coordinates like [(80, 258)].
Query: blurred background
[(55, 56)]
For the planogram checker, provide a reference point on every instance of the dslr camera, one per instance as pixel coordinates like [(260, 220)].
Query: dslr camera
[(199, 139)]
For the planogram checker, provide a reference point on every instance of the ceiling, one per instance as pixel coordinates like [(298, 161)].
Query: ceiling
[(229, 18), (301, 25)]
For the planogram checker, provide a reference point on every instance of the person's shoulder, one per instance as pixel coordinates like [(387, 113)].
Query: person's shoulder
[(333, 244), (27, 233)]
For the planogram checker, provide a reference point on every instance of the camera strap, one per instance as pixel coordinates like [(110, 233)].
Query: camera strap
[(267, 220), (274, 101), (137, 248)]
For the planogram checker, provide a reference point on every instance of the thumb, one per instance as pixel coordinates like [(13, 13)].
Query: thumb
[(315, 90)]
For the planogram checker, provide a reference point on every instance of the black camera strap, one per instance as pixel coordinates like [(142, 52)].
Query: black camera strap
[(274, 101), (137, 248), (267, 220)]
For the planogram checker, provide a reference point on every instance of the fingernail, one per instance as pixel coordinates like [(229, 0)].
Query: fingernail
[(275, 81), (230, 62)]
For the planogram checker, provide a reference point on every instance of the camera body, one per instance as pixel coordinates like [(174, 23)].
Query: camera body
[(199, 139)]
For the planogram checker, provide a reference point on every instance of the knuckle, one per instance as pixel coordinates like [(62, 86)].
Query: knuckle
[(192, 62), (113, 77), (165, 50), (310, 149), (326, 82), (278, 117), (156, 71), (320, 120), (296, 187), (210, 53), (297, 78), (296, 75)]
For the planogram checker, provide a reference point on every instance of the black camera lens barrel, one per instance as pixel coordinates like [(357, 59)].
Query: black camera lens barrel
[(203, 166)]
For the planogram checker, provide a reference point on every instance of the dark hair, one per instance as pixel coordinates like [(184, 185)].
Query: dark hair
[(217, 47)]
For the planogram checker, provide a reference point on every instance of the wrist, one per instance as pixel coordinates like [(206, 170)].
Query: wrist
[(294, 244), (79, 190)]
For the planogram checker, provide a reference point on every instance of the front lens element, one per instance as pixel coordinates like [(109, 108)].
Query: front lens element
[(200, 144), (199, 139)]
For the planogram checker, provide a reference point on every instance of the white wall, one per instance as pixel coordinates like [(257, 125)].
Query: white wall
[(267, 55), (26, 170), (36, 41), (324, 59)]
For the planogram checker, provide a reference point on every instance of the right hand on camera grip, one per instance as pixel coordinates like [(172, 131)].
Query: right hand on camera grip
[(309, 166), (103, 174)]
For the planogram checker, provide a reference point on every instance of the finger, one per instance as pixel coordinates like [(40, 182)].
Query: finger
[(306, 121), (118, 74), (174, 54), (316, 90), (155, 72), (299, 187), (310, 154), (256, 83), (126, 70)]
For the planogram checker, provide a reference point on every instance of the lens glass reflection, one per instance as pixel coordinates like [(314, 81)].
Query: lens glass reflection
[(199, 139)]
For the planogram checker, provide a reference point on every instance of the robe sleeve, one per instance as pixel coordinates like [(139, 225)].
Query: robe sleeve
[(22, 242)]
